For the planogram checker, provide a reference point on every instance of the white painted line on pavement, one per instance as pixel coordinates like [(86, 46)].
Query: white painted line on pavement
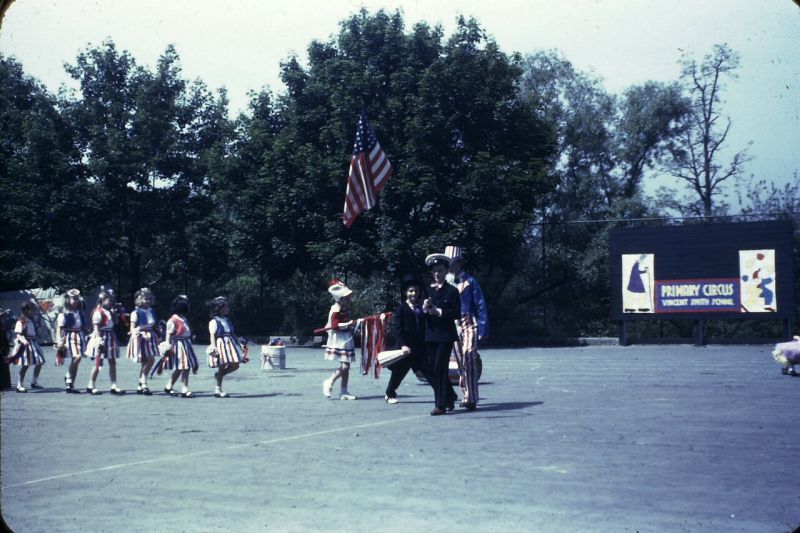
[(207, 452)]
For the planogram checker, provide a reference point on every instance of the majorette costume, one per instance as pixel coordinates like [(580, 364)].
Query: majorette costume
[(72, 324), (143, 344), (183, 356), (31, 354), (228, 350), (473, 324), (106, 346), (340, 345)]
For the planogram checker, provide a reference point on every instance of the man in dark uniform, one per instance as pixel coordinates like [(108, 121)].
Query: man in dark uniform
[(442, 307)]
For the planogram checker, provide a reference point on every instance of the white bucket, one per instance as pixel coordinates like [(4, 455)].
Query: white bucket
[(273, 357)]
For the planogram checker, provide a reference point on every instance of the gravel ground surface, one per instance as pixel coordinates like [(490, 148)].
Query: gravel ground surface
[(598, 438)]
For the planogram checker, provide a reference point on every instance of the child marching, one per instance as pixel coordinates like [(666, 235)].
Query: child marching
[(143, 343), (340, 345), (225, 352), (71, 328), (103, 344), (178, 349), (26, 351)]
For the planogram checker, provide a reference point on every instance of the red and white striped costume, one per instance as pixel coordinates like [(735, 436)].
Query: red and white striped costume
[(32, 355), (228, 351), (183, 356), (104, 319), (143, 344), (340, 345), (71, 326)]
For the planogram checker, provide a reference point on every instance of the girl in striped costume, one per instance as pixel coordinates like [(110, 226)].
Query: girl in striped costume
[(181, 356), (103, 342), (70, 335), (26, 349), (225, 352), (143, 344), (340, 346)]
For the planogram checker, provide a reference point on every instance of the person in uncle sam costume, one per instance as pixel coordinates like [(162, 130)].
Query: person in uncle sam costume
[(473, 325), (103, 343), (26, 351), (71, 329), (340, 345), (442, 307), (143, 343)]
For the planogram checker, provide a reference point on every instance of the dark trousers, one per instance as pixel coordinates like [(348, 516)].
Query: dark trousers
[(439, 361), (400, 369)]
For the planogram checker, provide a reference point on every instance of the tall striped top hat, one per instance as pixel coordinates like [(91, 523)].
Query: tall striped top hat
[(453, 252)]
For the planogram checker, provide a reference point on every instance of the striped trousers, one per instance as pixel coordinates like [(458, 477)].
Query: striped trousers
[(466, 351)]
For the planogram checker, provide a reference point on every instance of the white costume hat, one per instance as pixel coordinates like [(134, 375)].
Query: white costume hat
[(338, 289), (434, 259)]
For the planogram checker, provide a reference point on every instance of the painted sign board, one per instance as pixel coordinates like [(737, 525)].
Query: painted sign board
[(703, 271)]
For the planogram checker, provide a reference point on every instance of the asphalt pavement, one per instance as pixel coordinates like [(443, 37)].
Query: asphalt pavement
[(597, 438)]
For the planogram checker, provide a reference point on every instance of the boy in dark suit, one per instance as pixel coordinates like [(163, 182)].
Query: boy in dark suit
[(408, 326)]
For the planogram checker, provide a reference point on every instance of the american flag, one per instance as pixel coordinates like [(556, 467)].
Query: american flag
[(370, 169)]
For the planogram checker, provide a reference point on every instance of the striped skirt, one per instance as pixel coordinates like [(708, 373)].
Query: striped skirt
[(143, 346), (107, 348), (228, 352), (183, 356), (75, 342), (31, 355), (344, 355)]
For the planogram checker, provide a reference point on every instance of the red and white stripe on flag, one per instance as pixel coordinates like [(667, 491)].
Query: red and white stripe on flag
[(370, 169)]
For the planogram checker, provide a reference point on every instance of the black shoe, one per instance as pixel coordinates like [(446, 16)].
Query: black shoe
[(93, 391), (438, 411), (72, 390), (471, 406), (36, 386), (170, 392)]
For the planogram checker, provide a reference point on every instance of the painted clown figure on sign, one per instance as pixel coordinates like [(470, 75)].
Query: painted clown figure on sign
[(757, 275)]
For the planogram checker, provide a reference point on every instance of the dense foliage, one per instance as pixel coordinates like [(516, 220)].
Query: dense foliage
[(140, 177)]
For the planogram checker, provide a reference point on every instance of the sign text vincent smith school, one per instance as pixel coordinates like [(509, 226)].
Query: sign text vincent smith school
[(687, 296)]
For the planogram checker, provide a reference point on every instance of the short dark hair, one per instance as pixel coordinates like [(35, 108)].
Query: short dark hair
[(216, 305), (180, 305), (27, 305)]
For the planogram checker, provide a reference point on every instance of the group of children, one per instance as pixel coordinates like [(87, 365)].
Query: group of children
[(77, 337), (450, 318)]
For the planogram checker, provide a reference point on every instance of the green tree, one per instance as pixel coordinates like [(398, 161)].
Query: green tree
[(45, 199), (469, 156), (152, 144), (606, 147)]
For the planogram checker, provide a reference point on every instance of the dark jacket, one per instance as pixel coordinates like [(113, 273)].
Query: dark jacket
[(443, 329), (409, 329)]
